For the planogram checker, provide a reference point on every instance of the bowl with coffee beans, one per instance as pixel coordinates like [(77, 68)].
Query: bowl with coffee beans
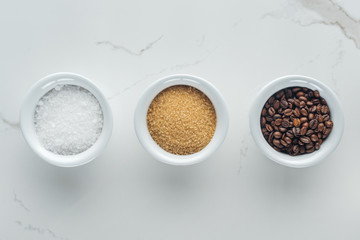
[(296, 121)]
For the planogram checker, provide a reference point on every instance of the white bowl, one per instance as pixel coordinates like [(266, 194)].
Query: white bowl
[(150, 145), (326, 147), (27, 119)]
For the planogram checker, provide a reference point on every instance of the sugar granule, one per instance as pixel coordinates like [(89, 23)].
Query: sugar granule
[(181, 120), (68, 120)]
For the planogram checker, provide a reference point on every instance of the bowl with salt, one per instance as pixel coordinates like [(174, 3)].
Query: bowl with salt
[(66, 120)]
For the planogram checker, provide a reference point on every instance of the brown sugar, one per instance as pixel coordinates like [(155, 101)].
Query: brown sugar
[(181, 120)]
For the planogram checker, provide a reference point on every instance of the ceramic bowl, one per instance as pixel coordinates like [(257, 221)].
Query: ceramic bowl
[(326, 148), (27, 119), (141, 125)]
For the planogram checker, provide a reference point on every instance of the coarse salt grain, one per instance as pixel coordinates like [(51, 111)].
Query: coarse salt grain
[(68, 120)]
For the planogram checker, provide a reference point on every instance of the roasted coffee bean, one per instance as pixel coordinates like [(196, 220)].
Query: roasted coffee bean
[(271, 100), (277, 134), (290, 134), (296, 120), (271, 111), (313, 109), (329, 124), (277, 143), (324, 109), (278, 121), (276, 116), (303, 112), (285, 123), (316, 94), (311, 116), (284, 143), (303, 119), (279, 94), (302, 98), (284, 104), (263, 121), (263, 112), (287, 112), (320, 127), (309, 145), (287, 140), (299, 94), (305, 139), (314, 138), (309, 132), (295, 149), (302, 149), (269, 128), (276, 104), (303, 130), (310, 150), (313, 124)]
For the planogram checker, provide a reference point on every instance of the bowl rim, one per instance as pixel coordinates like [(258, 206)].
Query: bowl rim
[(152, 91), (327, 147), (38, 90)]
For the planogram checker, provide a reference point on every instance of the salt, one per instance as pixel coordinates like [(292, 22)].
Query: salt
[(68, 120)]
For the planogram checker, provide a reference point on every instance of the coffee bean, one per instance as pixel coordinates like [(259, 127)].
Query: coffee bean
[(277, 134), (284, 143), (290, 134), (303, 119), (305, 124), (313, 109), (309, 132), (263, 121), (271, 111), (314, 138), (317, 146), (303, 112), (276, 116), (284, 104), (269, 128), (279, 94), (302, 149), (316, 94), (302, 98), (263, 112), (271, 100), (313, 124), (309, 145), (303, 131), (287, 140), (310, 150), (299, 94), (329, 124), (278, 121), (288, 93), (296, 122), (309, 103), (282, 129), (287, 112), (297, 103), (324, 109), (277, 143), (296, 112), (295, 149), (276, 104), (326, 117), (296, 89), (302, 104), (305, 139), (320, 127), (285, 123)]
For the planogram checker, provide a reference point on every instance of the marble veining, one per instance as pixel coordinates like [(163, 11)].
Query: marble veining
[(129, 51), (325, 12), (19, 202), (38, 230)]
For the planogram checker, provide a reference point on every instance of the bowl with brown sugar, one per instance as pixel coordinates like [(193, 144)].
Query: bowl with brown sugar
[(181, 119)]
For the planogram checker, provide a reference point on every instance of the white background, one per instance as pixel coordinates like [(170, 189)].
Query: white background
[(124, 46)]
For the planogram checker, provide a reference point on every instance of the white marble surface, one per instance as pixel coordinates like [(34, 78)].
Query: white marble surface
[(125, 45)]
